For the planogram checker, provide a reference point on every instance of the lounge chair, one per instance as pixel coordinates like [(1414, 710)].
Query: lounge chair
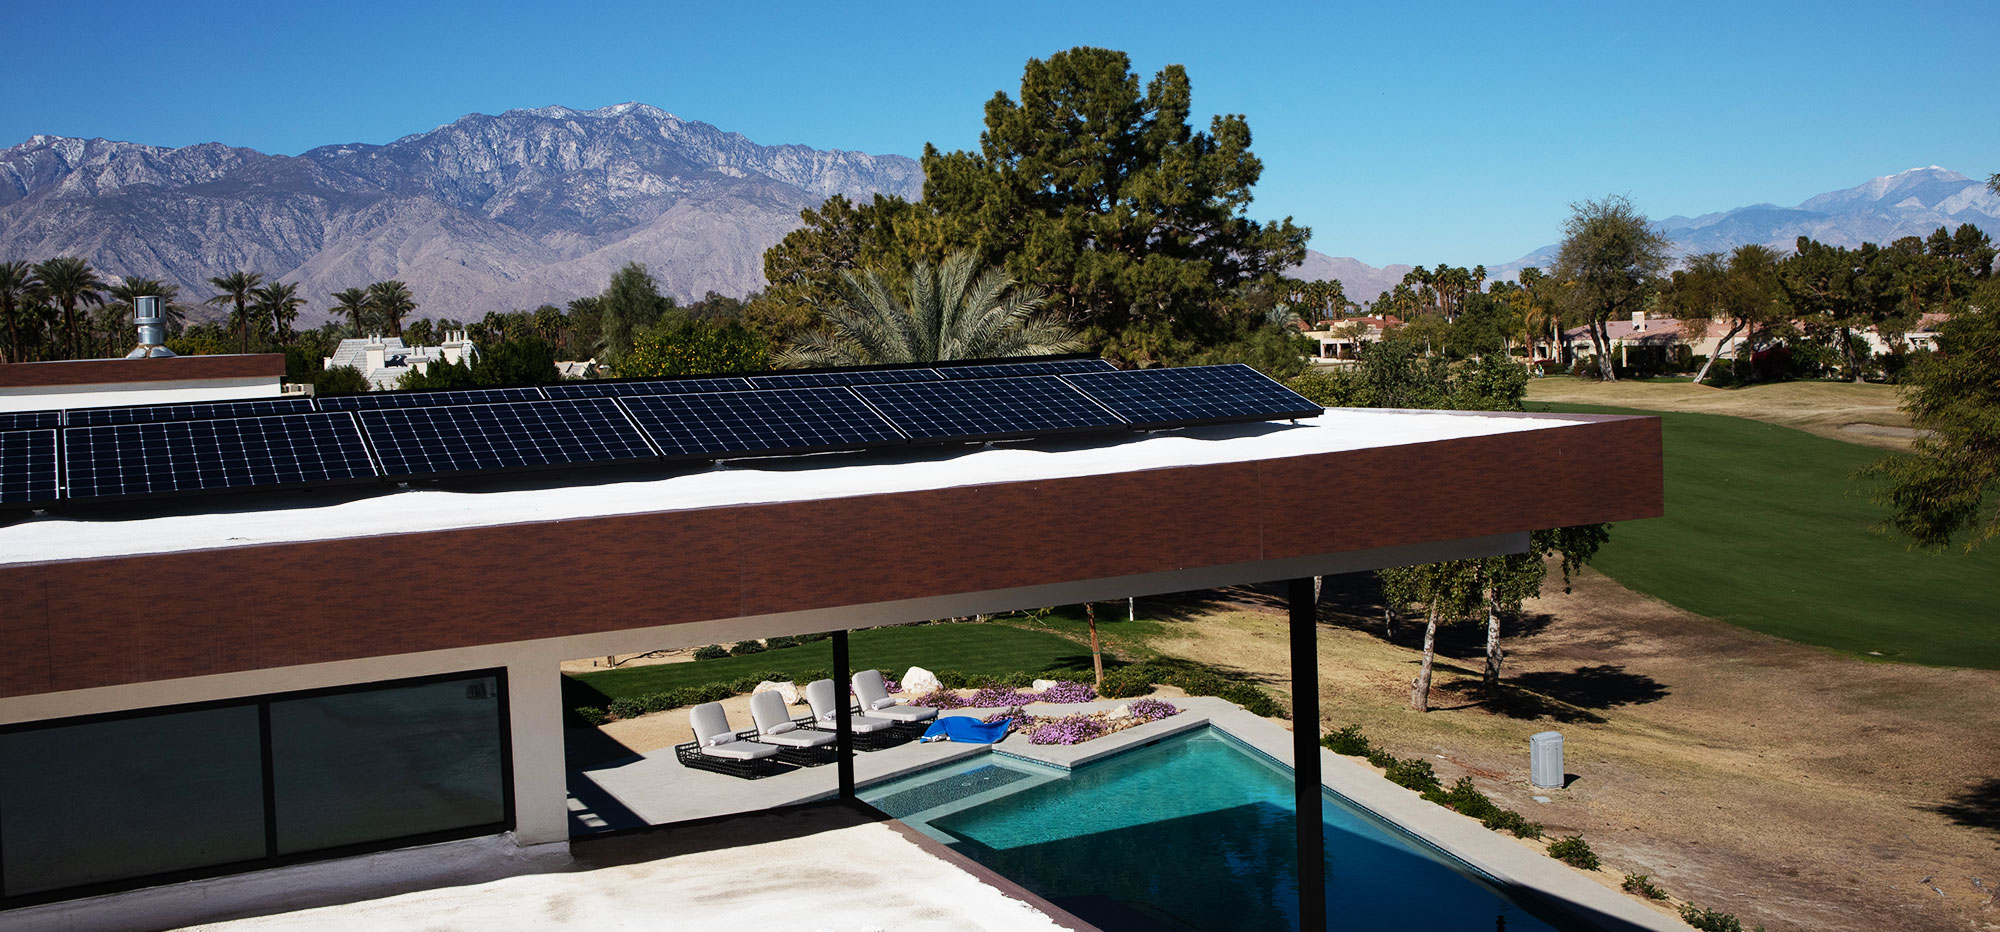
[(718, 747), (911, 720), (802, 746), (870, 734)]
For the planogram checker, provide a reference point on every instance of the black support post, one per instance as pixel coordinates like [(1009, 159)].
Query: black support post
[(843, 722), (1305, 756)]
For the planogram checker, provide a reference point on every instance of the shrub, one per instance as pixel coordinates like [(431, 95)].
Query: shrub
[(781, 641), (814, 675), (1575, 852), (591, 715), (1068, 691), (746, 647), (626, 708), (1349, 741), (953, 679), (891, 686), (1465, 798), (1413, 773), (1642, 885), (711, 652), (815, 636), (1507, 820), (1380, 758), (1073, 729), (1708, 920)]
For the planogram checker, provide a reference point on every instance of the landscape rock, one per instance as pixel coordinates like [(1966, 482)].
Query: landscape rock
[(1040, 685), (919, 681), (786, 690), (1123, 711)]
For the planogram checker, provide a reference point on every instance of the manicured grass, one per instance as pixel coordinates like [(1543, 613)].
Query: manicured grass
[(977, 649), (1766, 528)]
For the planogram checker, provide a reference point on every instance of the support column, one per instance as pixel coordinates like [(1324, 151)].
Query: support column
[(843, 722), (1305, 756), (541, 793)]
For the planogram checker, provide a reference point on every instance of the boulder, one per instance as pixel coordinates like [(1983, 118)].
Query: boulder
[(919, 681), (1123, 711), (786, 690), (1041, 685)]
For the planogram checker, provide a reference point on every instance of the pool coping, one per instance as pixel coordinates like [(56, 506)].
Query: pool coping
[(1503, 860)]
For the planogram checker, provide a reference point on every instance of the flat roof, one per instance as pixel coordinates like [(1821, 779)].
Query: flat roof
[(244, 520)]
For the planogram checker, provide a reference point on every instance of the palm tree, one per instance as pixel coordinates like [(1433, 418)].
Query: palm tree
[(352, 303), (278, 303), (17, 290), (953, 311), (236, 288), (392, 300), (70, 281)]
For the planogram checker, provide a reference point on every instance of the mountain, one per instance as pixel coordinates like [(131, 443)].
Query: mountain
[(1880, 210), (1362, 282), (484, 213)]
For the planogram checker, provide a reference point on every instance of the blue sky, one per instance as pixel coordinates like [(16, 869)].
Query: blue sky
[(1448, 133)]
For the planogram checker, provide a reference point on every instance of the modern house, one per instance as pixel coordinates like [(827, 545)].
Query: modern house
[(191, 701)]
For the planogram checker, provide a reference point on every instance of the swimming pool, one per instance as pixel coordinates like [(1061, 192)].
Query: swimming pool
[(1194, 833)]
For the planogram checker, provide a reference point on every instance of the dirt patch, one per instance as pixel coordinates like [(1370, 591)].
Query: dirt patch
[(1796, 788), (1838, 410), (619, 661)]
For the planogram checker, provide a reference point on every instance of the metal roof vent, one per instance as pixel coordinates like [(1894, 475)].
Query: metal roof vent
[(152, 329)]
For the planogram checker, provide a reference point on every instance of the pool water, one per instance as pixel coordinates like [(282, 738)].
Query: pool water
[(1194, 833)]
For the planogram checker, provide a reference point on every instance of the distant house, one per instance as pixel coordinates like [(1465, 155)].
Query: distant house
[(1342, 340), (384, 360)]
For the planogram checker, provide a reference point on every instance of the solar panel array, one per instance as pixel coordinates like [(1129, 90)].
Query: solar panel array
[(1193, 395), (102, 453), (468, 396), (456, 439), (987, 409), (645, 387), (27, 467), (158, 457), (193, 411)]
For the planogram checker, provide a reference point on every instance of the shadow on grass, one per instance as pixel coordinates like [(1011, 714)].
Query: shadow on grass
[(1976, 806), (1568, 698)]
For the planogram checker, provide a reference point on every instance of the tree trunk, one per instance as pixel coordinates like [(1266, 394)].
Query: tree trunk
[(1492, 637), (1710, 361), (1853, 358), (1600, 339), (1096, 657), (1420, 688), (1389, 624)]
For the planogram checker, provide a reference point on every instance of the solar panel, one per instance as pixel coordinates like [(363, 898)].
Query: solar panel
[(469, 396), (1008, 369), (865, 377), (1193, 395), (194, 411), (592, 389), (27, 466), (514, 435), (29, 420), (986, 409), (768, 422), (194, 456)]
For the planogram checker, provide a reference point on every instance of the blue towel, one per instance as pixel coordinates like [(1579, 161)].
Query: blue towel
[(965, 730)]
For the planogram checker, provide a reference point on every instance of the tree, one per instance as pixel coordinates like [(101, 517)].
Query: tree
[(391, 301), (804, 269), (1741, 290), (629, 305), (1510, 579), (953, 311), (352, 303), (1827, 287), (236, 288), (1106, 198), (279, 303), (123, 293), (341, 380), (70, 281), (1608, 260), (686, 346), (1445, 592), (1938, 490), (18, 291)]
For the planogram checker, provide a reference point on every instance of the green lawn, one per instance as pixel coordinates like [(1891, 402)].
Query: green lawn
[(978, 649), (1766, 528)]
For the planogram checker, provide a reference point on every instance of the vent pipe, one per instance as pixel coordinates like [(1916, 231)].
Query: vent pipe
[(152, 324)]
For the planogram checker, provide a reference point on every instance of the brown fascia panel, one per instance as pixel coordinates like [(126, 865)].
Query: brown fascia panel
[(99, 622), (166, 369)]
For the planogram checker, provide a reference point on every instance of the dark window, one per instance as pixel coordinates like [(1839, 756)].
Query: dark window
[(117, 801), (357, 767), (126, 798)]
